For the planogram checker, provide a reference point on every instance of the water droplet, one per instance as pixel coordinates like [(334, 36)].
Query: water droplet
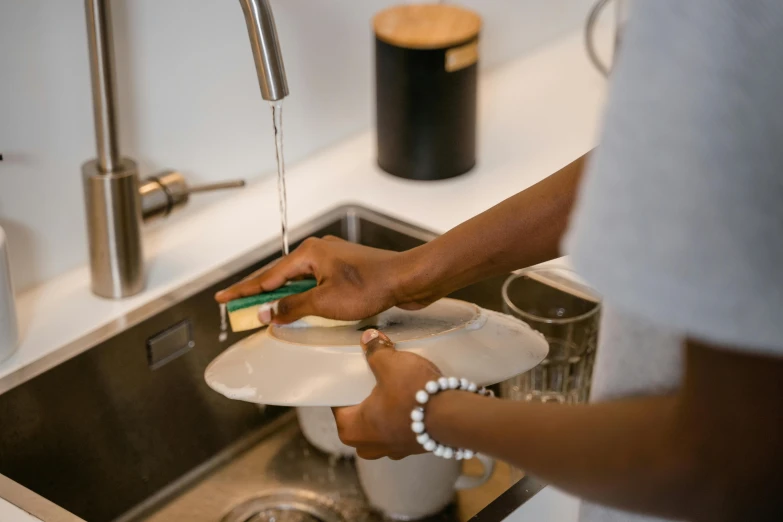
[(223, 323)]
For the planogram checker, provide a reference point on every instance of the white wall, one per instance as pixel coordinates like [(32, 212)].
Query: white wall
[(189, 97)]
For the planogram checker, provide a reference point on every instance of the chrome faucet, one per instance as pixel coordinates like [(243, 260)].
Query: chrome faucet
[(116, 200)]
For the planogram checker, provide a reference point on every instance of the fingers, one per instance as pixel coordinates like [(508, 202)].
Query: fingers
[(271, 277), (293, 308), (346, 418), (412, 307), (377, 349), (350, 426), (370, 454)]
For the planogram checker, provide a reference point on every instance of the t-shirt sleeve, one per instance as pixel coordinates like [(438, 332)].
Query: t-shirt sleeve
[(680, 216)]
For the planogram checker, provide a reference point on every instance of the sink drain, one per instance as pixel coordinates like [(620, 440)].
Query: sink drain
[(288, 505), (279, 515)]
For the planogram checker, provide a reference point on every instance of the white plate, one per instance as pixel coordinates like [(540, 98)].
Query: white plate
[(318, 366)]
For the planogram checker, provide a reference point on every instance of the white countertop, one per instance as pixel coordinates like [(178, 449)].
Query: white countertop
[(11, 513), (536, 115)]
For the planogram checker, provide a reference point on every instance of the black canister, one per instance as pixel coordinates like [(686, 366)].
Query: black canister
[(426, 73)]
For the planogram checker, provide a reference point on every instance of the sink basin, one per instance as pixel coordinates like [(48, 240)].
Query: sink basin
[(127, 430)]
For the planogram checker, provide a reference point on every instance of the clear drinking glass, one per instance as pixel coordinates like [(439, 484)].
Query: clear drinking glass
[(553, 301)]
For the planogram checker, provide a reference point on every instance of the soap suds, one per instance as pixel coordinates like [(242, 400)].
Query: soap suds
[(477, 322), (319, 322)]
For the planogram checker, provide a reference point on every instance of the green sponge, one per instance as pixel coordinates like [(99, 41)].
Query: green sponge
[(243, 312)]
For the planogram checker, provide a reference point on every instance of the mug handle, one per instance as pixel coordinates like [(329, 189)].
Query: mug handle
[(469, 482)]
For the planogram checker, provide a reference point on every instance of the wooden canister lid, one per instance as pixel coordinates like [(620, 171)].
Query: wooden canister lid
[(426, 26)]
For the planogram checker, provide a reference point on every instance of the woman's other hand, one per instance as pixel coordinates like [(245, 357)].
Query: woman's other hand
[(381, 425)]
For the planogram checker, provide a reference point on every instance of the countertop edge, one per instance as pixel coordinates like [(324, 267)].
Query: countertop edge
[(510, 500), (33, 504)]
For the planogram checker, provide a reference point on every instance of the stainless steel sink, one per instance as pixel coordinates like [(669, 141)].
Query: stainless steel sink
[(126, 430)]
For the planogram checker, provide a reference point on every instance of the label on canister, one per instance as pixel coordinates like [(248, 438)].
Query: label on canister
[(460, 57)]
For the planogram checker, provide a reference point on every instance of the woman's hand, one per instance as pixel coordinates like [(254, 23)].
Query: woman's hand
[(354, 282), (381, 425)]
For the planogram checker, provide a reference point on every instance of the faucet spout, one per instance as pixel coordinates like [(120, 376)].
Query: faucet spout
[(115, 199), (266, 49)]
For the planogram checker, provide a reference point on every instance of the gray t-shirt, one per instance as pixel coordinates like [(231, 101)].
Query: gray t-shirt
[(679, 223)]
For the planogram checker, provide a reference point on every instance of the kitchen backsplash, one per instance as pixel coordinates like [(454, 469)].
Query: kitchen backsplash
[(188, 97)]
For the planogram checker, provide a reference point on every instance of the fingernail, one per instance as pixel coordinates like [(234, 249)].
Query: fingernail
[(369, 335), (266, 311)]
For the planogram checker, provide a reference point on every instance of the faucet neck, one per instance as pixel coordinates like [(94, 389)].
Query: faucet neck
[(101, 46), (266, 49)]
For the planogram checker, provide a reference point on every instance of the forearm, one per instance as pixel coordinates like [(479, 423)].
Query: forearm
[(626, 454), (521, 231), (709, 452)]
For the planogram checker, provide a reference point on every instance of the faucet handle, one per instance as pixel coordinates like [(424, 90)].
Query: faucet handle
[(162, 194), (220, 185)]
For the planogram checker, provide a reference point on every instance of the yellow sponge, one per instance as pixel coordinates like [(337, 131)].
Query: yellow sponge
[(243, 312)]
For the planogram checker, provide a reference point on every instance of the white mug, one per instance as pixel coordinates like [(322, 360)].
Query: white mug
[(418, 486), (320, 429)]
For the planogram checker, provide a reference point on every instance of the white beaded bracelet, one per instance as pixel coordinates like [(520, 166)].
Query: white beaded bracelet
[(417, 415)]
